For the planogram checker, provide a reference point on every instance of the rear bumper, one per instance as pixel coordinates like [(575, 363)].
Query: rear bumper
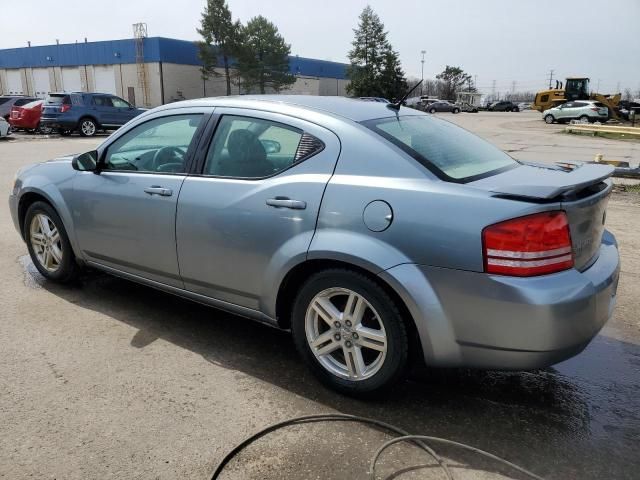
[(470, 319)]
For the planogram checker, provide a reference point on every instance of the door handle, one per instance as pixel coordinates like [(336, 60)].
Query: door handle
[(157, 190), (286, 202)]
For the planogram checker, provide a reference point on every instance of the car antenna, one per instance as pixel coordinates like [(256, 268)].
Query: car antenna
[(396, 105)]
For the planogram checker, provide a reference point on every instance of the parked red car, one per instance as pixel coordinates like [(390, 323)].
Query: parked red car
[(26, 117)]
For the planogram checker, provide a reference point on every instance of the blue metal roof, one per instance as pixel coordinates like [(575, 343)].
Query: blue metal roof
[(156, 49)]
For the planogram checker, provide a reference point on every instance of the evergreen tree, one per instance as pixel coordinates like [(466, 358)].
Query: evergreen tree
[(393, 83), (375, 69), (221, 37), (263, 59)]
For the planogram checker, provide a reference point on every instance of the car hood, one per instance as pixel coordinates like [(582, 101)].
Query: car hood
[(544, 181)]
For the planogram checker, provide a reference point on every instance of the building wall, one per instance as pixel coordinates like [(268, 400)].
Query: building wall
[(333, 86), (179, 82)]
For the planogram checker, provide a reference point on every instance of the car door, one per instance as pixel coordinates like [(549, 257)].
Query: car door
[(123, 110), (253, 206), (124, 216), (102, 108), (567, 110)]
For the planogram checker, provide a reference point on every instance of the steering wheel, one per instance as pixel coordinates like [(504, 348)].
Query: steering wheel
[(166, 155)]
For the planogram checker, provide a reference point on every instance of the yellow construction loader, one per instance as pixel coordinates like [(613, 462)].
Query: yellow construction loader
[(575, 88)]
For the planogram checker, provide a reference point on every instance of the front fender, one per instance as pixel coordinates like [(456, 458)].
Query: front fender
[(56, 194)]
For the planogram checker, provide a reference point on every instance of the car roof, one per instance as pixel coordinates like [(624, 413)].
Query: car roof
[(351, 108)]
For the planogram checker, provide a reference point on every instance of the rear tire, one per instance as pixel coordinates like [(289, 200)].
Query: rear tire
[(584, 119), (353, 353), (433, 110), (87, 127), (48, 244), (549, 119), (456, 110)]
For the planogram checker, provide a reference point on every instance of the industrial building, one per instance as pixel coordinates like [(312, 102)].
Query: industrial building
[(147, 71)]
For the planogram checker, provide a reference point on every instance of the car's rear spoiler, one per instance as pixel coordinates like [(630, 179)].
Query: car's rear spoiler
[(545, 181)]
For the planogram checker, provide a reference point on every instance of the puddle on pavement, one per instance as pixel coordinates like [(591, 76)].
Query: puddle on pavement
[(31, 276)]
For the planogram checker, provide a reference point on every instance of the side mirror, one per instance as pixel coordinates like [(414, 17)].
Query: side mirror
[(85, 162)]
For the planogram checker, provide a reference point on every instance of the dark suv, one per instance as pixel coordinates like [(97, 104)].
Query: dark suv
[(503, 107), (86, 112)]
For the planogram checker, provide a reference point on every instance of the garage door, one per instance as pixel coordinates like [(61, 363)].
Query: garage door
[(71, 80), (105, 79), (41, 85), (14, 82)]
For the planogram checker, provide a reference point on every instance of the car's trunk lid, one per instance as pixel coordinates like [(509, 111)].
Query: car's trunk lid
[(582, 190)]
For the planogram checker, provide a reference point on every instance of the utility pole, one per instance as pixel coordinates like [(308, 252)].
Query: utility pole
[(513, 87), (617, 88), (475, 82), (598, 87), (550, 78), (493, 90), (422, 75)]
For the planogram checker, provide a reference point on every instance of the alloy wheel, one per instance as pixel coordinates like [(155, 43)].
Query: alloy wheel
[(46, 242), (88, 128), (346, 334)]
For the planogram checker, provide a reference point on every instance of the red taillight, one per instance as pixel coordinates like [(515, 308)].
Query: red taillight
[(595, 109), (526, 246), (64, 108)]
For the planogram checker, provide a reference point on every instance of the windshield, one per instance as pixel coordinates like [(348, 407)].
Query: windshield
[(449, 151)]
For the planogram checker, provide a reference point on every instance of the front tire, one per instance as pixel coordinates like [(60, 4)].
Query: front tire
[(87, 127), (433, 110), (456, 110), (549, 119), (350, 332), (48, 244)]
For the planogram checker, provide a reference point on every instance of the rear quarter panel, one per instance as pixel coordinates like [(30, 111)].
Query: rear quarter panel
[(434, 222)]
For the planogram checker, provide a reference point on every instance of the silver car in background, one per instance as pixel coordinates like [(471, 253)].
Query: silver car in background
[(5, 128), (583, 110), (377, 234)]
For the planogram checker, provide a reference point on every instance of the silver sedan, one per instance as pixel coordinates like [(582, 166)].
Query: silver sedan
[(377, 234)]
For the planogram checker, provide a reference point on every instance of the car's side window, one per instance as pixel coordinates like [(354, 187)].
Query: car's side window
[(102, 101), (119, 103), (159, 145), (245, 147)]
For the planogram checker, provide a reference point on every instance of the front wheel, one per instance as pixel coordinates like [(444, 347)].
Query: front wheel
[(456, 110), (48, 244), (88, 127), (549, 119), (350, 332), (433, 110)]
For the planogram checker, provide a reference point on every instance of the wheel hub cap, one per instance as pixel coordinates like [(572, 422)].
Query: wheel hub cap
[(346, 334), (46, 242)]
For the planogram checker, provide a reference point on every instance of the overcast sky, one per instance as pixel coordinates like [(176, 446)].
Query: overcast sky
[(501, 40)]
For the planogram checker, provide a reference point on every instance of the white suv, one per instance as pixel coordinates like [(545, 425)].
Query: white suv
[(584, 110)]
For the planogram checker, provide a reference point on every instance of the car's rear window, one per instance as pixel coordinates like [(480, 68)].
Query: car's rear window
[(449, 151), (23, 101), (599, 104), (58, 99)]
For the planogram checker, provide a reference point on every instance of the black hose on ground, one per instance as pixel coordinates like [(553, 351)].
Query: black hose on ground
[(404, 437)]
